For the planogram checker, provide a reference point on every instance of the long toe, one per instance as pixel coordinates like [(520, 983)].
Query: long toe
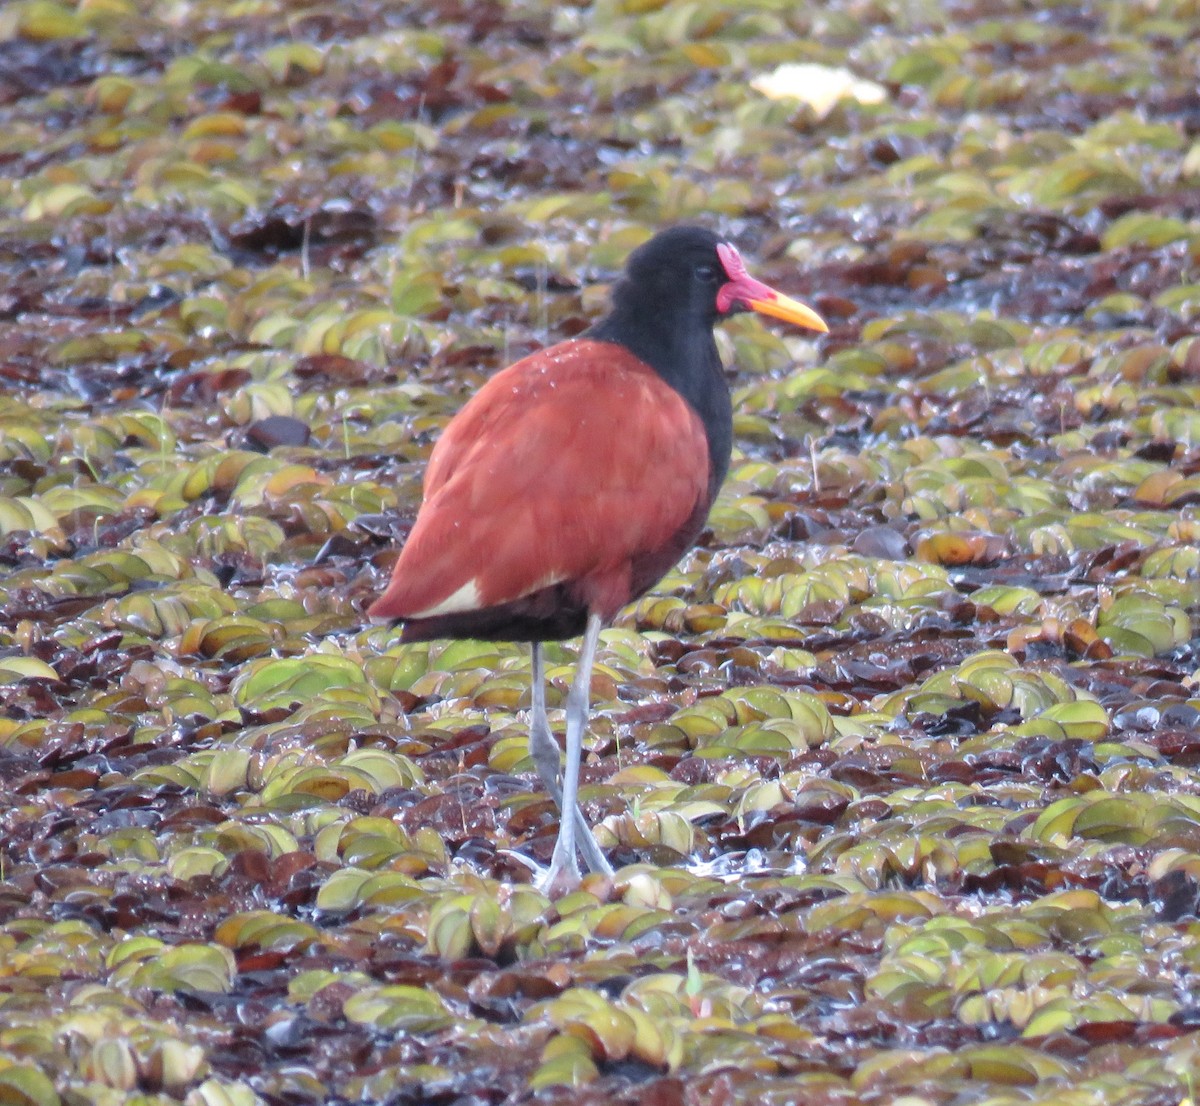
[(562, 875), (593, 855)]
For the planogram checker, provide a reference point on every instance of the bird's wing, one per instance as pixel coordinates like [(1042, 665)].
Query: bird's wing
[(569, 465)]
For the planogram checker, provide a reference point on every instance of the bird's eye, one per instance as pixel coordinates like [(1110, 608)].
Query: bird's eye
[(706, 273)]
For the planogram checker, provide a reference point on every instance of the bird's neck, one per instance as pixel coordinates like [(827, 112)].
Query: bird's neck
[(684, 353)]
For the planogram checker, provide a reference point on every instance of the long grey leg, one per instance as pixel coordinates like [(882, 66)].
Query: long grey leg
[(563, 861), (542, 746), (544, 751)]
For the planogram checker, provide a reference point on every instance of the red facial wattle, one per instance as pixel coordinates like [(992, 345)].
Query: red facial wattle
[(742, 290)]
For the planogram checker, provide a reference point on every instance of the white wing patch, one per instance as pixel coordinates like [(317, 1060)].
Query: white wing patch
[(468, 598), (465, 599)]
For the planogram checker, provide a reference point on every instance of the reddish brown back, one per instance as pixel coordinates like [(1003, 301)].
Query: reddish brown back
[(576, 465)]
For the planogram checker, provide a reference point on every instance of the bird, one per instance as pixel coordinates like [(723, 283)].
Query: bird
[(574, 479)]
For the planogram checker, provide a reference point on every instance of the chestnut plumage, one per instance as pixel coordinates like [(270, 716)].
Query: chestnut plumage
[(576, 477)]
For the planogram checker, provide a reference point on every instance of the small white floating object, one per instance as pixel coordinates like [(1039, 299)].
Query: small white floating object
[(821, 87)]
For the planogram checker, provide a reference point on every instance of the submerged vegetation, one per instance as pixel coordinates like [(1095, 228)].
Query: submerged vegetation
[(899, 768)]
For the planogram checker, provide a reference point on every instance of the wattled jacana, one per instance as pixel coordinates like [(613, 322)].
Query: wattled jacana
[(575, 478)]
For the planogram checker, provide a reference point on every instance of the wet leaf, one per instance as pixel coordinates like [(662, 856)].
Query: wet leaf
[(896, 767)]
